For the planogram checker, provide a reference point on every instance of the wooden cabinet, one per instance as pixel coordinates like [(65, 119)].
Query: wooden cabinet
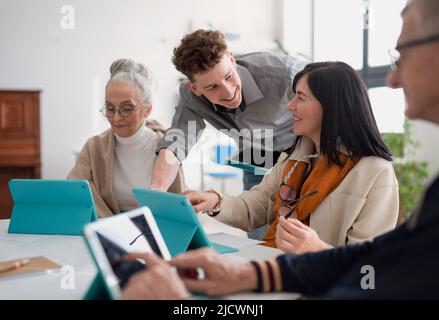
[(19, 141)]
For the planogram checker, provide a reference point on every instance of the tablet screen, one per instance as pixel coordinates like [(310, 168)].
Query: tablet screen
[(112, 239)]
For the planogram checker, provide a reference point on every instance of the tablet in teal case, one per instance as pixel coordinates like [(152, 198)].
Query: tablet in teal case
[(60, 207), (246, 167), (177, 221), (98, 289)]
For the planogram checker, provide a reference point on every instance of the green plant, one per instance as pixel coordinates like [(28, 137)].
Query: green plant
[(411, 174)]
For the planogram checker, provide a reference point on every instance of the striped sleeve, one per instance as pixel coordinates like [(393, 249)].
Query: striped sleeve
[(269, 275), (316, 273)]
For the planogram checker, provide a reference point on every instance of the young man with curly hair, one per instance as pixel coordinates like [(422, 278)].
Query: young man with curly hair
[(244, 96)]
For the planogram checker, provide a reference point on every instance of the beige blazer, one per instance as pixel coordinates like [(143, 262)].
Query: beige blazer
[(95, 164), (364, 205)]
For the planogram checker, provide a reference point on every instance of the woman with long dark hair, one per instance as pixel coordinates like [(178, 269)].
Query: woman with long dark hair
[(335, 186)]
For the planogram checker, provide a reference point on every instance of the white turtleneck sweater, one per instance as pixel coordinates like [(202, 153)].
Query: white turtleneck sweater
[(132, 167)]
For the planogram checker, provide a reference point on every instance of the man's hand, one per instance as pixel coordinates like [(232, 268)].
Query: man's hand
[(222, 275), (202, 201), (158, 281), (296, 237)]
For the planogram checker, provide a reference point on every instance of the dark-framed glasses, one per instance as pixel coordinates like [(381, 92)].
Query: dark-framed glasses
[(289, 208), (124, 110), (395, 53), (287, 193)]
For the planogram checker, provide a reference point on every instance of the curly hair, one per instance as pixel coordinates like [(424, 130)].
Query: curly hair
[(199, 51)]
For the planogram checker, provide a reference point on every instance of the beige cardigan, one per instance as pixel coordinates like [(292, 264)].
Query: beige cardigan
[(364, 205), (95, 164)]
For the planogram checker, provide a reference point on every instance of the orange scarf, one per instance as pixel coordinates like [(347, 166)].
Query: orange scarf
[(324, 178)]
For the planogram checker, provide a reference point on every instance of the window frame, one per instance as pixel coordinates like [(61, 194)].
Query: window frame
[(374, 77)]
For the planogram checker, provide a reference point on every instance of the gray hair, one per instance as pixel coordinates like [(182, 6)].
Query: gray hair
[(427, 12), (129, 71)]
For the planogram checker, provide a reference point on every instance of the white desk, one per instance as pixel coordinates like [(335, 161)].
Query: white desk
[(72, 251)]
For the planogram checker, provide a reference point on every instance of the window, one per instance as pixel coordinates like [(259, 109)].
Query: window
[(333, 40), (384, 27), (360, 32), (388, 107)]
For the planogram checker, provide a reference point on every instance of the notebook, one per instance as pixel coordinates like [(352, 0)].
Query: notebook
[(36, 265)]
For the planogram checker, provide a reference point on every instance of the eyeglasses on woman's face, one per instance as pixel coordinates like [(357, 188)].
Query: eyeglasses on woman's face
[(125, 110)]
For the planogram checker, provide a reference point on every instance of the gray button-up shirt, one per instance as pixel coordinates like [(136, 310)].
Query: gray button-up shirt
[(261, 123)]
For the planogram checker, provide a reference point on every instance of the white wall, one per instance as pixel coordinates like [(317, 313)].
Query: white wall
[(71, 66), (298, 28)]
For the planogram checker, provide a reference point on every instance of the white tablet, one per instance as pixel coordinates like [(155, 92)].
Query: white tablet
[(111, 239)]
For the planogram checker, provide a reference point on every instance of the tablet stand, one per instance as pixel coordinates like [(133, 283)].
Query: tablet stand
[(97, 289), (61, 207)]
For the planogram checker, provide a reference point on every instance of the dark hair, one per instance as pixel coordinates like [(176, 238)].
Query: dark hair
[(199, 51), (347, 112)]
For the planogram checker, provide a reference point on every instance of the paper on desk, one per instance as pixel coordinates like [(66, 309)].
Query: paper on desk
[(232, 241), (23, 238)]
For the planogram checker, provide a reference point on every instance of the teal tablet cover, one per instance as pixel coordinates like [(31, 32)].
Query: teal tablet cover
[(177, 221), (98, 289), (246, 167), (60, 207)]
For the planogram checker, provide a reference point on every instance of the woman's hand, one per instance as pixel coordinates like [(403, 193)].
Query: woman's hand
[(202, 201), (222, 275), (296, 237)]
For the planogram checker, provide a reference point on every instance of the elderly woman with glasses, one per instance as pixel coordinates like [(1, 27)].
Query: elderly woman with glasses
[(336, 185), (122, 157)]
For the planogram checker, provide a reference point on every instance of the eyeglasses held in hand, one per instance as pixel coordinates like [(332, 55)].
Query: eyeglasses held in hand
[(290, 208), (286, 192)]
